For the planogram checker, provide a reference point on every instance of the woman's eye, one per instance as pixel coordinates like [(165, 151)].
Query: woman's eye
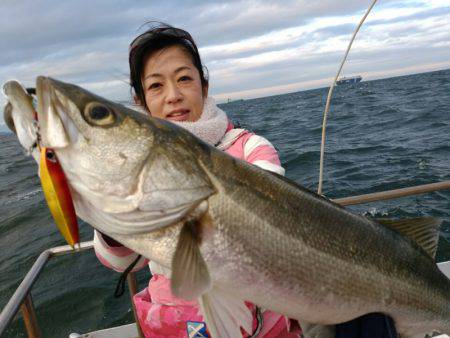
[(184, 78), (155, 85)]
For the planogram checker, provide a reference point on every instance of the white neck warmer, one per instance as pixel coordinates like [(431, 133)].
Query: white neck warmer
[(211, 126)]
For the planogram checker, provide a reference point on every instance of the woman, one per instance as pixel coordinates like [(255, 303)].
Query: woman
[(169, 82)]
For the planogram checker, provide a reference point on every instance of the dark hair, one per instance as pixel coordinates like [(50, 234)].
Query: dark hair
[(156, 38)]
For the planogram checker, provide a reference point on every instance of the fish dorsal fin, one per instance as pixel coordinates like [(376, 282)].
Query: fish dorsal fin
[(423, 230), (190, 276)]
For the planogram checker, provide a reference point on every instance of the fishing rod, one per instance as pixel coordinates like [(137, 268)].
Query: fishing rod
[(330, 93), (378, 196)]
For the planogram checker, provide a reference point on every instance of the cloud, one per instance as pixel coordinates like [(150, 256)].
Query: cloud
[(249, 46)]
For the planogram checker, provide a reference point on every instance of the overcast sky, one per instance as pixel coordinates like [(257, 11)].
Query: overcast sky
[(252, 48)]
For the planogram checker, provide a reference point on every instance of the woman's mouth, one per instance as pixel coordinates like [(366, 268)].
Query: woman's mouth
[(178, 115)]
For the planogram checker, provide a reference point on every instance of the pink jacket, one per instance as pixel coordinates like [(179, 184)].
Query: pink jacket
[(160, 313)]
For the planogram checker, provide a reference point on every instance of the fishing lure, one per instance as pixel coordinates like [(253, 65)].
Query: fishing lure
[(57, 193)]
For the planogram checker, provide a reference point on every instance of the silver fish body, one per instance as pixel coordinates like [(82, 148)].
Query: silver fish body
[(154, 187), (291, 251)]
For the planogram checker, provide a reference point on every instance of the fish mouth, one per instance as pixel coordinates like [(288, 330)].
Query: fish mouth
[(7, 117), (19, 114), (56, 128), (15, 93)]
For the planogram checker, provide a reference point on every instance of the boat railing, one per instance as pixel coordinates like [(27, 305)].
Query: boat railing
[(393, 194), (22, 296)]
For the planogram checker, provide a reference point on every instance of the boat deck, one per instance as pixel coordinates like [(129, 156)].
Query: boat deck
[(124, 331)]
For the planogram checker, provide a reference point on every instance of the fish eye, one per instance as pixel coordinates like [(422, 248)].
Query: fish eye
[(98, 114)]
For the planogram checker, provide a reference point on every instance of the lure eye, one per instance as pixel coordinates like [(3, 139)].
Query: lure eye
[(50, 155), (98, 114)]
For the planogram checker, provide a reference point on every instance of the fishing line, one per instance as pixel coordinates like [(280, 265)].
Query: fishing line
[(120, 287), (260, 322), (330, 93)]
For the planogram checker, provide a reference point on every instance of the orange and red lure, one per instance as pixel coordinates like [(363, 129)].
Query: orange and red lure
[(57, 194)]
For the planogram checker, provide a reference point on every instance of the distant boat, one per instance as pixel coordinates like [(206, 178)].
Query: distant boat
[(349, 80), (237, 100)]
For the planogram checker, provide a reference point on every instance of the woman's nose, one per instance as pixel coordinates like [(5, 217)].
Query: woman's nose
[(173, 94)]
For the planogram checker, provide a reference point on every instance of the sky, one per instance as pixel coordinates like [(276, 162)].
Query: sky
[(252, 48)]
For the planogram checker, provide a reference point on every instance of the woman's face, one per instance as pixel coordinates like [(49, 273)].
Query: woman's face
[(172, 86)]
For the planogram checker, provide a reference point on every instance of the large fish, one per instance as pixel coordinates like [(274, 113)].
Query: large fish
[(230, 231)]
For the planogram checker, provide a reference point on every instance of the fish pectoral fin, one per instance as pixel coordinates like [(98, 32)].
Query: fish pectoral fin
[(190, 276), (423, 230), (225, 314)]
